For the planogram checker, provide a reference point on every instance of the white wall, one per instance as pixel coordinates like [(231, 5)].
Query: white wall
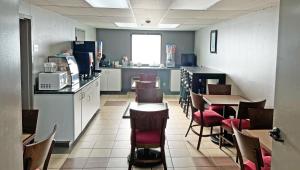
[(247, 49), (52, 32)]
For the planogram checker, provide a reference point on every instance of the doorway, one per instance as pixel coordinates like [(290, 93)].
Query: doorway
[(26, 63)]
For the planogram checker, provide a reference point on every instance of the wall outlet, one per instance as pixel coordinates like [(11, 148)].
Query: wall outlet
[(35, 48)]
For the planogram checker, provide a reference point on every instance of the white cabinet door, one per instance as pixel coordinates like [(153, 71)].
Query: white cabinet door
[(77, 114), (103, 81), (175, 81), (114, 80), (85, 106)]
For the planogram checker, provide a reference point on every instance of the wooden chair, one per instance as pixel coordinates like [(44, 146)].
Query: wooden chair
[(248, 148), (202, 117), (145, 84), (147, 77), (261, 118), (221, 89), (149, 95), (148, 131), (241, 121), (29, 121), (37, 155)]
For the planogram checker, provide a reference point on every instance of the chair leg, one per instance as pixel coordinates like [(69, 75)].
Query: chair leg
[(187, 108), (221, 137), (211, 130), (190, 126), (200, 137), (131, 159), (163, 158), (49, 155)]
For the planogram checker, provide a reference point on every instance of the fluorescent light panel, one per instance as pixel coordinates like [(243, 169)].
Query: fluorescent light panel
[(126, 25), (193, 4), (108, 3), (168, 25)]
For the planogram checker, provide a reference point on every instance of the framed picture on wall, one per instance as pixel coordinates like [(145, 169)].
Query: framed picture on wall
[(213, 41)]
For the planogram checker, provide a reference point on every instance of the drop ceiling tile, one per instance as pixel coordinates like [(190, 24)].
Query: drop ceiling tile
[(95, 19), (190, 21), (243, 4), (71, 3), (151, 4), (209, 14), (90, 11)]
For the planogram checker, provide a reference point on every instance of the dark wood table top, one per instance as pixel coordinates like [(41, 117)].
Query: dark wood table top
[(264, 138), (27, 138), (228, 100)]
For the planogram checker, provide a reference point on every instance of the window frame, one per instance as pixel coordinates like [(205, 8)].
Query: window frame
[(144, 33)]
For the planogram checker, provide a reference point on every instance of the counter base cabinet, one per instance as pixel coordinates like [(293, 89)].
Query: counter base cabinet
[(70, 112), (175, 81), (111, 79)]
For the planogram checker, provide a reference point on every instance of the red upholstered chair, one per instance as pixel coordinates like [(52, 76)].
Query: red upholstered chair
[(261, 119), (145, 84), (202, 117), (221, 89), (241, 121), (148, 131), (149, 95), (249, 152), (147, 77)]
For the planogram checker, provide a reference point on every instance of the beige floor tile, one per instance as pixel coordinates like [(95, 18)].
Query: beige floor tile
[(104, 144), (117, 163), (56, 162), (179, 153), (100, 153), (119, 153), (78, 153), (183, 162)]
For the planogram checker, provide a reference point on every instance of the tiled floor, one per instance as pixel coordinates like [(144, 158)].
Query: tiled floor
[(105, 144)]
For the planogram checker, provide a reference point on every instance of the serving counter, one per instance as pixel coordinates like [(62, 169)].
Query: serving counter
[(70, 108)]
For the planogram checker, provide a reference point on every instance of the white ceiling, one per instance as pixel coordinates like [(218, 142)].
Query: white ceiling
[(158, 11)]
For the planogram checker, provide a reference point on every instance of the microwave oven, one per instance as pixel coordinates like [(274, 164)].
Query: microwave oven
[(53, 81)]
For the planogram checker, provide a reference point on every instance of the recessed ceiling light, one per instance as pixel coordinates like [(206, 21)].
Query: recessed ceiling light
[(126, 25), (192, 4), (108, 3), (168, 25)]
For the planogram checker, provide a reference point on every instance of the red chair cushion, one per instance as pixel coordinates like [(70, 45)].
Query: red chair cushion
[(147, 137), (249, 165), (264, 152), (219, 109), (226, 123), (211, 118)]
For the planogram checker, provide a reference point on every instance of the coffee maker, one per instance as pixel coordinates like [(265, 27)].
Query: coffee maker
[(85, 63)]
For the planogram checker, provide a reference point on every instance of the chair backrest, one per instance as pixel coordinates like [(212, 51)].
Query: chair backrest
[(148, 121), (247, 147), (244, 106), (147, 77), (219, 89), (261, 118), (36, 154), (197, 102), (29, 121), (149, 95), (145, 84)]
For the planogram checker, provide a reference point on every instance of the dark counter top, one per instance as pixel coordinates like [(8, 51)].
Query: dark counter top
[(70, 89), (142, 67)]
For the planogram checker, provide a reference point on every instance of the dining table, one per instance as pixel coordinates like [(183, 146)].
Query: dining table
[(153, 107), (222, 100), (263, 135)]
